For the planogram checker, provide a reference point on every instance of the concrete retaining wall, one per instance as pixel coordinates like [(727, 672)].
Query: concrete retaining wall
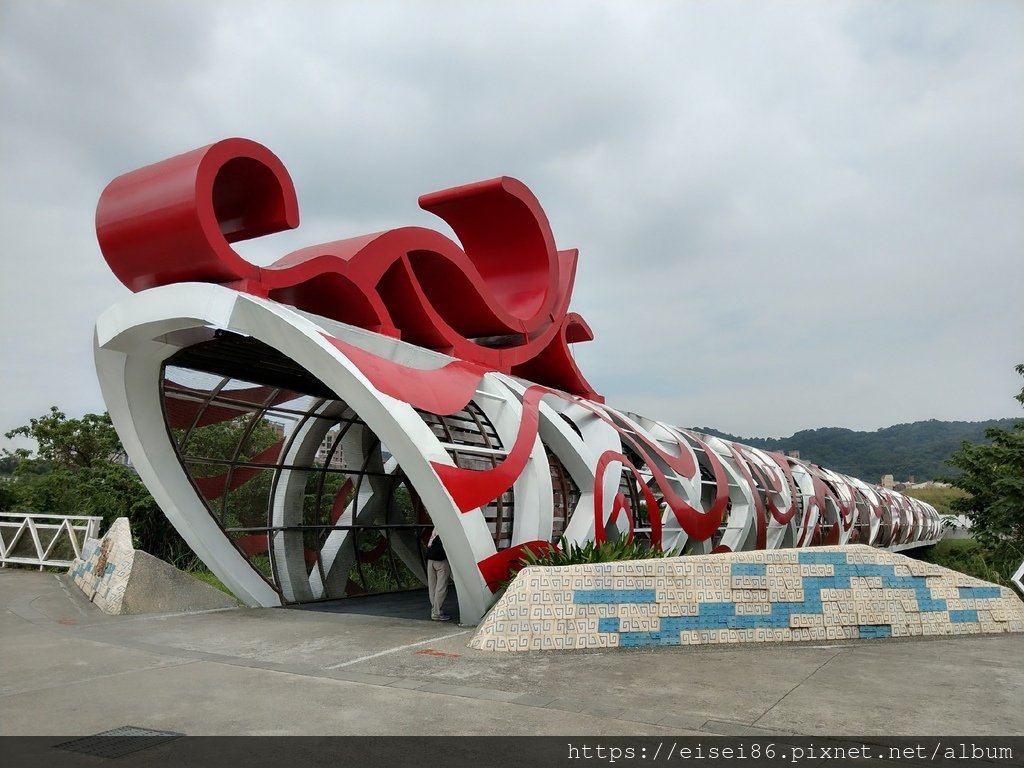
[(824, 593), (120, 579)]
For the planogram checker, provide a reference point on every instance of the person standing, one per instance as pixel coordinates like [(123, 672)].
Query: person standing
[(438, 573)]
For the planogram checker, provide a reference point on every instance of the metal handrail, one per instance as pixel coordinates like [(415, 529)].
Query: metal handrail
[(46, 532)]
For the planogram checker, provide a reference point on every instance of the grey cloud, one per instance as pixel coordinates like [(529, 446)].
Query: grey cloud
[(787, 217)]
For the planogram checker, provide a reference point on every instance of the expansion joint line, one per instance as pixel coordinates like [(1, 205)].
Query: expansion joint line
[(809, 676), (395, 650)]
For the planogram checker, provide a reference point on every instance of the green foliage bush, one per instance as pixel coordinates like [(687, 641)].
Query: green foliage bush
[(606, 552), (566, 553), (995, 563)]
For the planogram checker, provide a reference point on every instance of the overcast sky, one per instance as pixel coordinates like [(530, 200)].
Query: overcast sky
[(789, 215)]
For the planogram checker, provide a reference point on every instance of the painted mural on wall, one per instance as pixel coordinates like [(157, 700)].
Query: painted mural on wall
[(305, 424)]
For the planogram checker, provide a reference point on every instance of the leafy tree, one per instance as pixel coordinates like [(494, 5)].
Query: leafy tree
[(8, 463), (221, 440), (71, 443), (240, 440), (8, 496), (993, 475), (76, 470)]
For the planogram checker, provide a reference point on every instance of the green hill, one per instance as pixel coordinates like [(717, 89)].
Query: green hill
[(904, 450)]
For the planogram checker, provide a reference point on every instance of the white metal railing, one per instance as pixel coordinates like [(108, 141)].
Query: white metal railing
[(28, 538)]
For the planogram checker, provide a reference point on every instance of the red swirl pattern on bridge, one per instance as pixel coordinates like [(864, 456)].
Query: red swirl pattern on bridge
[(500, 301), (448, 389)]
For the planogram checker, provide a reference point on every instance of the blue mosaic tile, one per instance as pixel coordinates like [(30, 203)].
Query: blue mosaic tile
[(716, 609), (890, 580), (822, 558), (605, 596), (637, 639), (963, 616), (876, 630), (979, 593), (748, 569), (722, 615), (812, 586)]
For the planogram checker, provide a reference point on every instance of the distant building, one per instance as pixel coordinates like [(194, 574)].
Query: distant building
[(324, 452), (793, 454), (889, 482)]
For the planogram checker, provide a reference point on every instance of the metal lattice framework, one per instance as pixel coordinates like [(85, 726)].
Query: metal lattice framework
[(279, 470), (302, 424)]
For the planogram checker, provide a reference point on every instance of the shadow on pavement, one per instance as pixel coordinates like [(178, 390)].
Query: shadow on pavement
[(411, 604)]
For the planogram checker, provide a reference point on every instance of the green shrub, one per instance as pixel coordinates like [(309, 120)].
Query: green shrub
[(573, 554), (606, 552), (995, 563)]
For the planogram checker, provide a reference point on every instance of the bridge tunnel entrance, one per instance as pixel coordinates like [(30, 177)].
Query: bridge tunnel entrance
[(299, 483)]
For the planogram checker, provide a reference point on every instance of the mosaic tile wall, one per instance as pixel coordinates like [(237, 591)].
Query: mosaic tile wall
[(105, 567), (824, 593)]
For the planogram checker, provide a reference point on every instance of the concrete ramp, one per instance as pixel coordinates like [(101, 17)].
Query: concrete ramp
[(120, 579)]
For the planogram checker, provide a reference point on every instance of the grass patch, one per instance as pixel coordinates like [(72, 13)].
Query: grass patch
[(208, 578), (940, 498), (996, 564)]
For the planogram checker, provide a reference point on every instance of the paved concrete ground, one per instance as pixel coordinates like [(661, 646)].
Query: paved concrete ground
[(68, 670)]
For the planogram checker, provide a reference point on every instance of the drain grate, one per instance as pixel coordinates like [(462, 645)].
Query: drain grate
[(117, 742)]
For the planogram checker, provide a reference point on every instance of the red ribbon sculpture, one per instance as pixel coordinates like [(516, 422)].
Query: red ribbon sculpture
[(501, 303)]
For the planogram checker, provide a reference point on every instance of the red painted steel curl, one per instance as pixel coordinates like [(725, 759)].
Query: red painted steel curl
[(215, 486), (747, 470), (500, 301), (619, 503), (448, 389), (784, 517)]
